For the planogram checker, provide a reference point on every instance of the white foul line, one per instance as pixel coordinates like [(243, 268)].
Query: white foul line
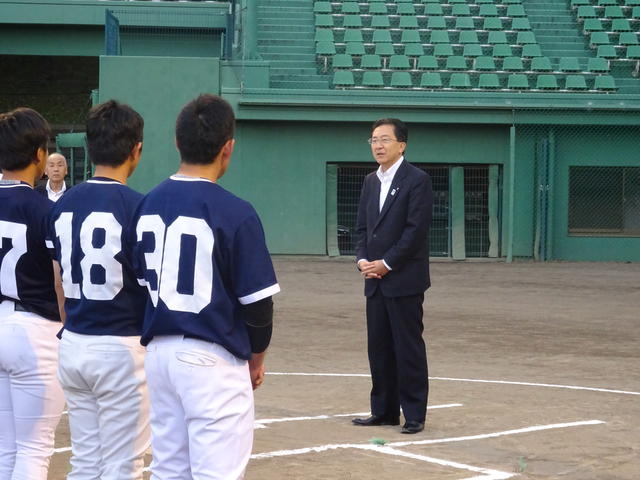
[(501, 382), (324, 448)]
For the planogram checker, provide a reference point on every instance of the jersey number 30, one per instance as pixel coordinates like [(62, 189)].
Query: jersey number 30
[(164, 260)]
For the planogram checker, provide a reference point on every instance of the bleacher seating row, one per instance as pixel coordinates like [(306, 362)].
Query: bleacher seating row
[(467, 81)]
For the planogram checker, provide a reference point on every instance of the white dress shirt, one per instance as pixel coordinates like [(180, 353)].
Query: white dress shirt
[(55, 196)]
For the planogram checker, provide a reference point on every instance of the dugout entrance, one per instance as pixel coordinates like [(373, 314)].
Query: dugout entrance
[(466, 209)]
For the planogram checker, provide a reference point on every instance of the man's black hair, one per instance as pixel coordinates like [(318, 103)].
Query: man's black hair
[(22, 132), (203, 127), (399, 128), (113, 130)]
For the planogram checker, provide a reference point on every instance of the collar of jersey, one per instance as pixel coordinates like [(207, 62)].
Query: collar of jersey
[(104, 180), (14, 183), (183, 178)]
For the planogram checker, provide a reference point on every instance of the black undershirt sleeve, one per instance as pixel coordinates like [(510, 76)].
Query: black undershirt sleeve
[(258, 317)]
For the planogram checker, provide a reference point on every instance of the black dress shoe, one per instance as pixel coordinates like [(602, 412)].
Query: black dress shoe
[(411, 426), (375, 420)]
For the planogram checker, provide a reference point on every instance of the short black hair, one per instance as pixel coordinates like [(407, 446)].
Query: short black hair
[(203, 126), (399, 128), (22, 132), (113, 130)]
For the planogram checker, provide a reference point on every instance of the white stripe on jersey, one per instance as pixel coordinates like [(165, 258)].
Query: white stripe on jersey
[(102, 182), (11, 185), (256, 296), (184, 178)]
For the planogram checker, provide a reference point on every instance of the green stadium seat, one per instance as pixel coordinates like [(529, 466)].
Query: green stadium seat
[(378, 8), (605, 83), (324, 35), (355, 48), (439, 36), (468, 36), (484, 64), (531, 50), (350, 7), (380, 21), (324, 20), (460, 81), (382, 36), (569, 64), (343, 78), (488, 10), (599, 38), (454, 1), (628, 38), (372, 79), (457, 62), (633, 52), (322, 7), (431, 80), (433, 9), (341, 61), (443, 50), (579, 3), (404, 1), (635, 13), (621, 25), (405, 9), (399, 62), (492, 23), (436, 23), (352, 21), (489, 81), (413, 50), (472, 50), (525, 38), (410, 36), (575, 83), (465, 23), (512, 64), (325, 48), (502, 51), (604, 3), (516, 11), (586, 11), (518, 81), (512, 2), (428, 62), (592, 25), (371, 62), (613, 12), (547, 82), (607, 51), (495, 38), (401, 80), (541, 64), (408, 21), (598, 65), (384, 49), (352, 36), (631, 3), (520, 24), (461, 10)]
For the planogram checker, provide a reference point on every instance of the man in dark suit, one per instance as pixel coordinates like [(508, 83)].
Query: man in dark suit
[(55, 185), (393, 255)]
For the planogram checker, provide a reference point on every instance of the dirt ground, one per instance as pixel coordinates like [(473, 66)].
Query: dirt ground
[(534, 375)]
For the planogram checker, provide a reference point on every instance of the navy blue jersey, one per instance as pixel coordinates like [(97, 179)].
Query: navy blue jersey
[(201, 252), (86, 232), (26, 271)]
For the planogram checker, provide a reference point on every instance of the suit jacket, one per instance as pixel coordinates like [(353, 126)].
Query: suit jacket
[(41, 187), (399, 233)]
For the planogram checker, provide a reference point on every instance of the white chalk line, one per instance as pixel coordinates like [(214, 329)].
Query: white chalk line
[(324, 448), (473, 380)]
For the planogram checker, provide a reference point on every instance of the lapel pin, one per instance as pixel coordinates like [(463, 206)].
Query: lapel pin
[(393, 192)]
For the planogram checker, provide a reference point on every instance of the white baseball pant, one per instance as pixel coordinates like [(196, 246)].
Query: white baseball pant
[(31, 400), (201, 410), (106, 391)]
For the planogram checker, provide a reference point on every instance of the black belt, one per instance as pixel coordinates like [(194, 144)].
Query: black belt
[(17, 306)]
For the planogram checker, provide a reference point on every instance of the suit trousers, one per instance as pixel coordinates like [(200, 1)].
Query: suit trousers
[(201, 410), (397, 356), (106, 390), (31, 400)]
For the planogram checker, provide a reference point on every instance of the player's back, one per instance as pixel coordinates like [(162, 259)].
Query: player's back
[(202, 253), (26, 273), (87, 231)]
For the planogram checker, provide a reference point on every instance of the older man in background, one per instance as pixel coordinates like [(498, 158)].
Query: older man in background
[(56, 171)]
